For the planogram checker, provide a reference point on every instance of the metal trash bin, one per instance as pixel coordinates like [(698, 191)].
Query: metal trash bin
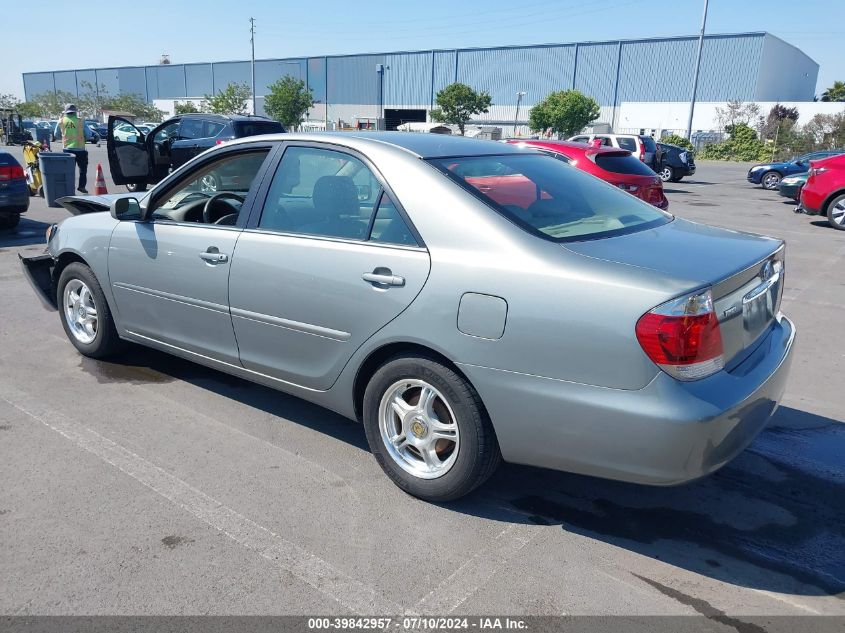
[(58, 171)]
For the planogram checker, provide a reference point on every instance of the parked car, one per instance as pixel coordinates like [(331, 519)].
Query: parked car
[(174, 142), (581, 329), (101, 129), (790, 187), (769, 175), (90, 135), (824, 191), (616, 166), (14, 191), (676, 163), (641, 146)]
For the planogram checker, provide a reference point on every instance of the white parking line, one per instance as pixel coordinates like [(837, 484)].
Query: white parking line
[(309, 568), (477, 571)]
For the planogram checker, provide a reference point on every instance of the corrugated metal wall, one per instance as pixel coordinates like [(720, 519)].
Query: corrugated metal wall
[(610, 72)]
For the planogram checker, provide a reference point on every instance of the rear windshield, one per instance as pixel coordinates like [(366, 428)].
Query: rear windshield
[(623, 164), (251, 128), (648, 143), (549, 198)]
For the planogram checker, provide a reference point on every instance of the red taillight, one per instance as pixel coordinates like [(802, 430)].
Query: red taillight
[(11, 172), (642, 153), (219, 142), (683, 338)]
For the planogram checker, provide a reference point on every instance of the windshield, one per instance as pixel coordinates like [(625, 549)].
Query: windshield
[(549, 198)]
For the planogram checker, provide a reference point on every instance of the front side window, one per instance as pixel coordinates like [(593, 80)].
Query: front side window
[(228, 180), (549, 198)]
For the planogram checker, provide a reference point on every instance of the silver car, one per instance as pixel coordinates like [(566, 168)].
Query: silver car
[(467, 301)]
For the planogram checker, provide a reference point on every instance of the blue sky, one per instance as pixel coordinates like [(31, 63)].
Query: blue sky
[(128, 33)]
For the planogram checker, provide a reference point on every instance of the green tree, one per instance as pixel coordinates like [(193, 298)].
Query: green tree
[(288, 101), (566, 112), (835, 93), (743, 145), (90, 102), (185, 107), (457, 103), (135, 104), (9, 101), (52, 104), (231, 100), (29, 110), (680, 141)]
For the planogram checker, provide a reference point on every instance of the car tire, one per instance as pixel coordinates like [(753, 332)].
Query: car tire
[(77, 292), (134, 188), (666, 173), (10, 221), (836, 212), (770, 180), (453, 429)]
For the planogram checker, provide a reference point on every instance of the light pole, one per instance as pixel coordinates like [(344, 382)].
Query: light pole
[(252, 44), (380, 68), (697, 68), (519, 96)]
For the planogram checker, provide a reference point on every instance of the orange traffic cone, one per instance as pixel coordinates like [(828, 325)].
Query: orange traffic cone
[(100, 183)]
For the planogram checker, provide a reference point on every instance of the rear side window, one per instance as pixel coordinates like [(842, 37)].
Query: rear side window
[(627, 143), (623, 164), (549, 199), (648, 143), (191, 128), (213, 128), (252, 128)]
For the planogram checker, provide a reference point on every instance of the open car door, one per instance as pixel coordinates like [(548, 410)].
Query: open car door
[(129, 159)]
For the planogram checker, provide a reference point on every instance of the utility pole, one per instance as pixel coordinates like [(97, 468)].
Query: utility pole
[(519, 96), (697, 68), (252, 44)]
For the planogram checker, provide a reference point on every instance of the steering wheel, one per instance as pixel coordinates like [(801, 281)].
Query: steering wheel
[(206, 210)]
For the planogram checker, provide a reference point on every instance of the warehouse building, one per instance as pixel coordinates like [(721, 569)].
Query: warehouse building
[(401, 86)]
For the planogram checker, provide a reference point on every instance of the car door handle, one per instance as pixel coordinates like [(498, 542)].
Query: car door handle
[(383, 277), (214, 257)]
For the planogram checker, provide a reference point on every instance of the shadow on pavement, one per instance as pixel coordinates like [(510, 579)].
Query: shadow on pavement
[(773, 519), (26, 233)]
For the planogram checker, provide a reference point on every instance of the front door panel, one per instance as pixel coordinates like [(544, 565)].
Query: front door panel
[(168, 287), (301, 307)]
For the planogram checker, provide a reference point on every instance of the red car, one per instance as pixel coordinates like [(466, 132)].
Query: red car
[(824, 192), (616, 166)]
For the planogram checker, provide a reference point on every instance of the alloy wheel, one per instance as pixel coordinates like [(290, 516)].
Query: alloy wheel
[(419, 428), (666, 174), (837, 212), (80, 311)]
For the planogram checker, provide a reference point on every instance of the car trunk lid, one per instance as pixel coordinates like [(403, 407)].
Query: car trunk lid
[(745, 272)]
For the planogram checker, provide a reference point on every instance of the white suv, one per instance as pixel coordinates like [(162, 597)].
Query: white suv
[(643, 147)]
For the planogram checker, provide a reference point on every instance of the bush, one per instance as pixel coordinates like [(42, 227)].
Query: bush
[(680, 141), (743, 145)]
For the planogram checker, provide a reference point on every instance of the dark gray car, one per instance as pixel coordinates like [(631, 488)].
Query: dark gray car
[(468, 301)]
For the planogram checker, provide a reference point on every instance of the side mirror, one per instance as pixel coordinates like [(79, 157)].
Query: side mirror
[(800, 163), (126, 209)]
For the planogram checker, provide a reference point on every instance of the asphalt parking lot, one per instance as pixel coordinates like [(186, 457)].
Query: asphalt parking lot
[(150, 485)]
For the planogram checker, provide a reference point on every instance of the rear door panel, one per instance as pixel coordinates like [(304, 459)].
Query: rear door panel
[(129, 160)]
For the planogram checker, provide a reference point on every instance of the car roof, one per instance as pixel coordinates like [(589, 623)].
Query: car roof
[(566, 145), (421, 144), (222, 117)]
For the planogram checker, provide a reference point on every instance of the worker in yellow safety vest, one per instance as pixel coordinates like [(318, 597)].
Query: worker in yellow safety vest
[(73, 137)]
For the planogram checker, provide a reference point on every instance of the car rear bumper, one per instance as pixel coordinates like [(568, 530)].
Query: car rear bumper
[(38, 270), (14, 198), (669, 432)]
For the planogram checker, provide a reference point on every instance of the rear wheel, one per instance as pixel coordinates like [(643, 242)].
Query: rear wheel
[(667, 174), (836, 212), (428, 430), (86, 317), (770, 180), (137, 187)]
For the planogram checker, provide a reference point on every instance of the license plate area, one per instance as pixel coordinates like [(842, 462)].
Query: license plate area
[(758, 310)]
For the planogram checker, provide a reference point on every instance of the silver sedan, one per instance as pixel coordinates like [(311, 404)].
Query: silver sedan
[(467, 301)]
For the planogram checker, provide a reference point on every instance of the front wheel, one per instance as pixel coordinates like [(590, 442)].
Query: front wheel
[(428, 429), (86, 317), (836, 212), (770, 180), (667, 174), (136, 187)]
